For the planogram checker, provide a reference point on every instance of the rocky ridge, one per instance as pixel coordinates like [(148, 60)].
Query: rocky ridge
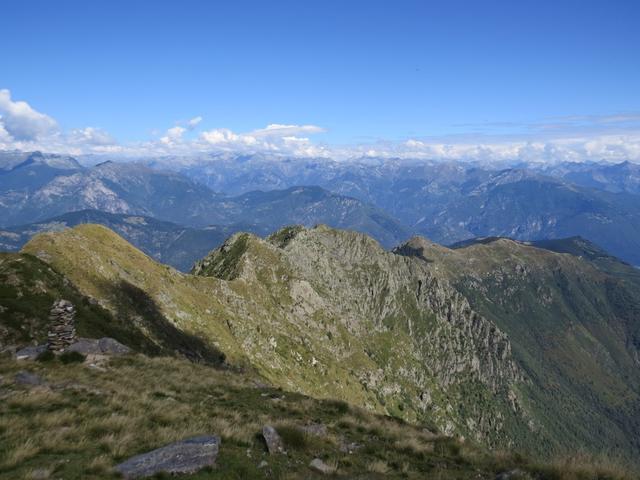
[(458, 339)]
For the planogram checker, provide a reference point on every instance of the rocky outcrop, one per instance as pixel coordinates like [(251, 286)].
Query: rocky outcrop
[(420, 339), (185, 456)]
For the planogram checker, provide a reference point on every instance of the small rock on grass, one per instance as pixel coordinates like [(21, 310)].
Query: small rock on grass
[(273, 440), (30, 353), (349, 447), (27, 378), (319, 466), (185, 456), (315, 429), (516, 474)]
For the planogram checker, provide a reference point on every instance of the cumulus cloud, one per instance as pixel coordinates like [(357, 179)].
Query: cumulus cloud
[(21, 121), (194, 122), (274, 138), (90, 136), (173, 135)]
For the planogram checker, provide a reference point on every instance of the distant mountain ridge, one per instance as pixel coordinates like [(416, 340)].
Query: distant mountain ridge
[(33, 191), (387, 198), (166, 242), (453, 201)]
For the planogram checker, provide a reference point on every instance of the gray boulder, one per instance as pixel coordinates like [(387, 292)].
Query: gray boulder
[(273, 440), (102, 346), (27, 378), (86, 346), (185, 456), (321, 467), (109, 346), (30, 353)]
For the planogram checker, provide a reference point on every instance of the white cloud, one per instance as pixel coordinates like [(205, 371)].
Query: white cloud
[(193, 123), (90, 136), (23, 128), (21, 121), (278, 130), (173, 135), (4, 135), (274, 138), (220, 135)]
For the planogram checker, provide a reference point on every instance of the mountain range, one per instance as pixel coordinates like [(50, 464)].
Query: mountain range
[(388, 199), (453, 201), (42, 187)]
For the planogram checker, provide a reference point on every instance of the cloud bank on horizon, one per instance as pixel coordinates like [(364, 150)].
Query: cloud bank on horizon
[(611, 138)]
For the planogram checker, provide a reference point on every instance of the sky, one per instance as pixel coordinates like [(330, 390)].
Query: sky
[(531, 79)]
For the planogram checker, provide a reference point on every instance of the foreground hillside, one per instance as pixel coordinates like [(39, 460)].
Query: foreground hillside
[(79, 420), (83, 419), (539, 354)]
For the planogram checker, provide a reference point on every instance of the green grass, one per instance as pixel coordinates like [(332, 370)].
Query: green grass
[(87, 420)]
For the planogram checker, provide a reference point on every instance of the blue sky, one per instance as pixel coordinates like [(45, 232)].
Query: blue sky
[(363, 72)]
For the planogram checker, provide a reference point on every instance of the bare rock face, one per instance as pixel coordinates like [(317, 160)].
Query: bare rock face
[(62, 332), (351, 295), (185, 456)]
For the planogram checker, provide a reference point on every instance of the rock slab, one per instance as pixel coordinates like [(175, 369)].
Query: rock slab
[(273, 440), (102, 346), (30, 353), (321, 467), (28, 378), (185, 456)]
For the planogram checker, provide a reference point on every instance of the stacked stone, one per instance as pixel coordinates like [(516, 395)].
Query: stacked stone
[(62, 332)]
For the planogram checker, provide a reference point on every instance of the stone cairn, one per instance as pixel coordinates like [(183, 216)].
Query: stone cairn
[(62, 332)]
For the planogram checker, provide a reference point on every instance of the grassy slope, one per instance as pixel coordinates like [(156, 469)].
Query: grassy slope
[(574, 328), (87, 420)]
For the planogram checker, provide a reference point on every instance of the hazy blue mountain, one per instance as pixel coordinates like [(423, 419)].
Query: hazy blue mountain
[(445, 201), (616, 178), (449, 202), (167, 242), (526, 206), (34, 191)]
